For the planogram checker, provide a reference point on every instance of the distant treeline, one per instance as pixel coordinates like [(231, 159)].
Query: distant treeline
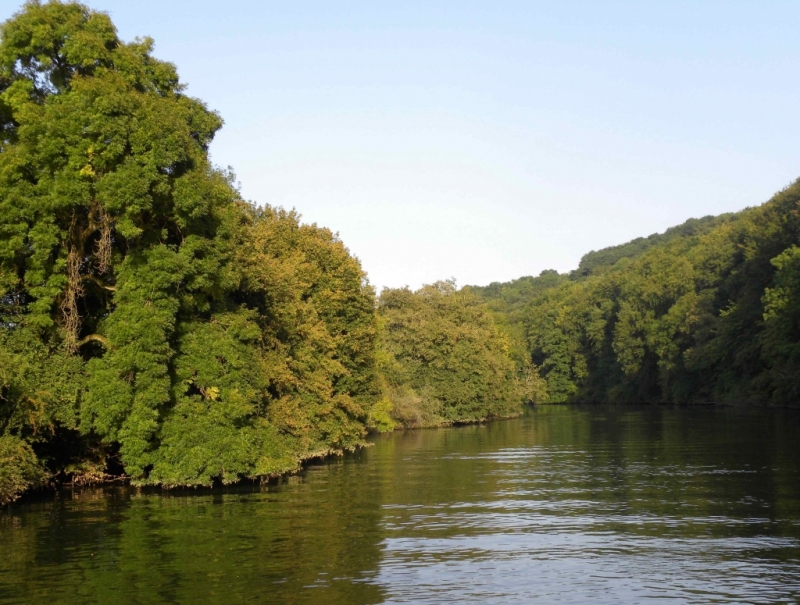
[(709, 311), (442, 359), (153, 323)]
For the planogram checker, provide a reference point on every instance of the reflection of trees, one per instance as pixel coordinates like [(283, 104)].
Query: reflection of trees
[(642, 471), (679, 467), (706, 485), (211, 546)]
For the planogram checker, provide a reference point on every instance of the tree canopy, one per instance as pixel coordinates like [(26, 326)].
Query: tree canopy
[(148, 315), (443, 359), (155, 324), (707, 312)]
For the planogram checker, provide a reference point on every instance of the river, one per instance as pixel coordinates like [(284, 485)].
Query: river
[(567, 504)]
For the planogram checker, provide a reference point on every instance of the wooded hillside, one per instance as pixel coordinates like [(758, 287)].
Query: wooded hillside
[(706, 312)]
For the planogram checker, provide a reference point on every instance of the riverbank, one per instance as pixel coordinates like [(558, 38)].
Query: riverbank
[(107, 479)]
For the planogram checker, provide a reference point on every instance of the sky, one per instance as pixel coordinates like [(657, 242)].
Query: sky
[(484, 141)]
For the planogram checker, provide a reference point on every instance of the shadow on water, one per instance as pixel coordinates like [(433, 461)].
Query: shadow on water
[(568, 503)]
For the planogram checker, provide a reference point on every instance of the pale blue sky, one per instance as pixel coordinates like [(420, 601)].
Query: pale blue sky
[(489, 140)]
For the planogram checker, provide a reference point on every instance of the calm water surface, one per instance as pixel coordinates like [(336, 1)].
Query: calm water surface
[(564, 505)]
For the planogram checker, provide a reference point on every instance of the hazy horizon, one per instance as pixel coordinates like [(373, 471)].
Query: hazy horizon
[(488, 141)]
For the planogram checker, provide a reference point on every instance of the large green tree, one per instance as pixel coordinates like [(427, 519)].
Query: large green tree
[(146, 312)]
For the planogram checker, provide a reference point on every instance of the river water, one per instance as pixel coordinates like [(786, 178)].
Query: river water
[(567, 504)]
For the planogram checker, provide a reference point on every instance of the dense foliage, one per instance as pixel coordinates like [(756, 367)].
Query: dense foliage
[(442, 358), (154, 324), (507, 302), (707, 312), (598, 261), (148, 316)]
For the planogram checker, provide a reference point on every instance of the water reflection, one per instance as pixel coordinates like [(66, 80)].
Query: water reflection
[(291, 543), (568, 504), (599, 505)]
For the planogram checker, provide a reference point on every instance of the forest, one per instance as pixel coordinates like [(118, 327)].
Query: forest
[(707, 312), (156, 326)]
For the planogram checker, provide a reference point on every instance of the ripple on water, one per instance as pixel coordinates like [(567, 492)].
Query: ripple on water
[(565, 505)]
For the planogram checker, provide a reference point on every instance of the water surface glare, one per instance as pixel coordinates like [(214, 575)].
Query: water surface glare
[(567, 504)]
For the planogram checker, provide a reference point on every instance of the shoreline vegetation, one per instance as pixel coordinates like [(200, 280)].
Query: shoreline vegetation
[(156, 326)]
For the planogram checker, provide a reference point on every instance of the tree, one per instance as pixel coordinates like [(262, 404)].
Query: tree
[(141, 301), (442, 358)]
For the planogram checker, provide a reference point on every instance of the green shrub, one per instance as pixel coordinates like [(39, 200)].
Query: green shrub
[(20, 470)]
